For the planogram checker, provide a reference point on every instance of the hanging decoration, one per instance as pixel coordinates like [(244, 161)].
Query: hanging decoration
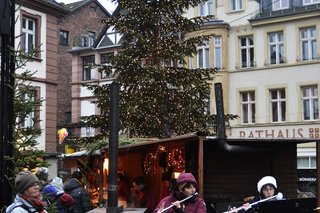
[(62, 134), (176, 159), (168, 162)]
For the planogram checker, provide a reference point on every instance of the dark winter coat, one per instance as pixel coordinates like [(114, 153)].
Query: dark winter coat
[(82, 202), (193, 205), (61, 206)]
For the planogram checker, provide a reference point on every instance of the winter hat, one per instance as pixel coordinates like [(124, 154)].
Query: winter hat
[(58, 183), (43, 173), (185, 178), (50, 191), (266, 180), (66, 200), (24, 180)]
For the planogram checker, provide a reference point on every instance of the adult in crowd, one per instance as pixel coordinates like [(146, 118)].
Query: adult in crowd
[(58, 183), (73, 187), (142, 195), (186, 186), (28, 198), (62, 201)]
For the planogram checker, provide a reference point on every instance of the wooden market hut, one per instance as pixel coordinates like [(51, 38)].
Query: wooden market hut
[(227, 170)]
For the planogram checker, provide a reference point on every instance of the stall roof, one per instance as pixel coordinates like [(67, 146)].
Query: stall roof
[(195, 137), (186, 137)]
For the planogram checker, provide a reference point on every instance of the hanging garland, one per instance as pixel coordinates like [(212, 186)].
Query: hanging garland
[(147, 163), (174, 161)]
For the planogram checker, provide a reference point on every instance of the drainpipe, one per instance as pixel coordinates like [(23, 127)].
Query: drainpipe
[(221, 129)]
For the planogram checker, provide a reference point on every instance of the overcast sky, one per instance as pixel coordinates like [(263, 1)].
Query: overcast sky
[(106, 3)]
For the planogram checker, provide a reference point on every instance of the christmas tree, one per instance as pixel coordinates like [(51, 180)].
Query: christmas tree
[(26, 106), (159, 95)]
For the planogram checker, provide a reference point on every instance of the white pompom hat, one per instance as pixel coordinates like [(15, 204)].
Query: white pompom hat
[(266, 180)]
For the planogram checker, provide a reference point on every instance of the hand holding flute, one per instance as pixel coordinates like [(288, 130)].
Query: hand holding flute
[(176, 203)]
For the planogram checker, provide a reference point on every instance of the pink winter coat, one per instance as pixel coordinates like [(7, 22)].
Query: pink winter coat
[(193, 205)]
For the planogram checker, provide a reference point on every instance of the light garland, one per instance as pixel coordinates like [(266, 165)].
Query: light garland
[(174, 161)]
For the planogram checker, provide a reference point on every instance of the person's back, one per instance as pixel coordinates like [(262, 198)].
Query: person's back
[(73, 187), (64, 203)]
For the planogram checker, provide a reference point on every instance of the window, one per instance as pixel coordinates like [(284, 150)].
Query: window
[(93, 9), (29, 119), (88, 61), (92, 36), (236, 5), (204, 55), (280, 4), (190, 62), (248, 112), (64, 37), (310, 103), (67, 117), (31, 101), (28, 34), (106, 60), (308, 44), (278, 105), (276, 48), (206, 8), (83, 41), (217, 52), (246, 52), (306, 162), (88, 132), (306, 2)]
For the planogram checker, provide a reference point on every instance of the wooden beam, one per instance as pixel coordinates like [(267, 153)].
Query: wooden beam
[(200, 168)]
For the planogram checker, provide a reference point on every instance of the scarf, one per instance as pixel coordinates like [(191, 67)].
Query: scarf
[(38, 204)]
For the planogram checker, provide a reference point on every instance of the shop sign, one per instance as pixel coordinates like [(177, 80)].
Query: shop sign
[(285, 132)]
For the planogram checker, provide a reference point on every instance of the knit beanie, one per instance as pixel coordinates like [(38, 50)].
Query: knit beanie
[(50, 191), (24, 180), (185, 178), (266, 180), (66, 200)]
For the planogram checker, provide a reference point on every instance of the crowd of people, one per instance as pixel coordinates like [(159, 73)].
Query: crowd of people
[(71, 197), (34, 195)]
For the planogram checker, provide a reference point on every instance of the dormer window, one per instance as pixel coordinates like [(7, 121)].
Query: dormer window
[(236, 5), (206, 8), (280, 5), (306, 2), (93, 9)]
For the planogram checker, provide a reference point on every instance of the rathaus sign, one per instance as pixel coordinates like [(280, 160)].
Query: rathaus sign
[(279, 132)]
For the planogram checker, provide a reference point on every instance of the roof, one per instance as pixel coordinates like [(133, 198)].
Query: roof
[(48, 6), (195, 136), (75, 6), (186, 138)]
